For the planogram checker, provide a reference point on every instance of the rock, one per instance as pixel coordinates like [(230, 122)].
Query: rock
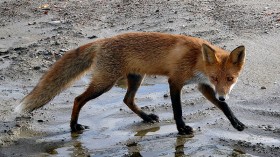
[(20, 48), (31, 23), (45, 7), (3, 51), (56, 43), (55, 22), (46, 53), (263, 87), (170, 21), (62, 50), (2, 77), (40, 121), (10, 132), (92, 37), (36, 68)]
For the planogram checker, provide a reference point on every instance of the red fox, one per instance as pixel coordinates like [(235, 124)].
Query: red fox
[(183, 59)]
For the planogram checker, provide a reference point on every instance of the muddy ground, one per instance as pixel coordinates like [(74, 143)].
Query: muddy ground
[(34, 34)]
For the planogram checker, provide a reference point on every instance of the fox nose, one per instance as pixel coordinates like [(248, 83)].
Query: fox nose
[(221, 98)]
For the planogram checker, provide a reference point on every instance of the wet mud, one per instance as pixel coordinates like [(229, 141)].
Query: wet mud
[(33, 35)]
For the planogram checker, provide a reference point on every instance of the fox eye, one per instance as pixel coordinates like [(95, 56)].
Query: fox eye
[(213, 78), (229, 78)]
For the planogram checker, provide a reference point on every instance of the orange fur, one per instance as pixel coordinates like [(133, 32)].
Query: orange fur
[(181, 58)]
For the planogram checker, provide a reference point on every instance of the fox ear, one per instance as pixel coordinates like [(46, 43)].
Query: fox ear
[(237, 56), (208, 54)]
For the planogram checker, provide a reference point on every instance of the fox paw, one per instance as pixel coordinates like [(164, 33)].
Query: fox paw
[(151, 118), (185, 130), (78, 127), (238, 125)]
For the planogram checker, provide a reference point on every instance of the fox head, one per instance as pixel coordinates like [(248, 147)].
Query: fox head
[(223, 69)]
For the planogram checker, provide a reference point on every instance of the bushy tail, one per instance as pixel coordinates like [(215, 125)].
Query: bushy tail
[(68, 68)]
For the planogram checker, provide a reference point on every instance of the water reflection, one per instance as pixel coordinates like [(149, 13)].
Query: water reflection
[(155, 141), (180, 145), (139, 148), (145, 131), (136, 150), (78, 149)]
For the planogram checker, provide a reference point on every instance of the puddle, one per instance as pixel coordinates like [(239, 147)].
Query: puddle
[(117, 131)]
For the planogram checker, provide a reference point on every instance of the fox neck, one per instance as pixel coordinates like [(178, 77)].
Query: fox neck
[(199, 77)]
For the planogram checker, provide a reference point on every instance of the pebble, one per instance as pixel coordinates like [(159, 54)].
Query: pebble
[(56, 43), (2, 77), (92, 37), (10, 132), (36, 68), (32, 23), (62, 50), (40, 121), (55, 22), (46, 53)]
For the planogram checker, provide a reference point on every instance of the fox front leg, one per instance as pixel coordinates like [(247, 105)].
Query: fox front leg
[(175, 93), (209, 93)]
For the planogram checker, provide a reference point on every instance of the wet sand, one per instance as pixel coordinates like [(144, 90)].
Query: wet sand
[(33, 37)]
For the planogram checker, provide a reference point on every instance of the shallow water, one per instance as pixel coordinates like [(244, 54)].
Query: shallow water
[(116, 131)]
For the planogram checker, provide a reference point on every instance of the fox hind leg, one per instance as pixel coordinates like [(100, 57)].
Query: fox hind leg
[(134, 81), (98, 86)]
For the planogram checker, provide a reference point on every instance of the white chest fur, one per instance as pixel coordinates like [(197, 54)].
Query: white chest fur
[(198, 78)]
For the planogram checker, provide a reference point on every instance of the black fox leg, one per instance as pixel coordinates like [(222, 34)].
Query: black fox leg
[(175, 93), (209, 93), (134, 81)]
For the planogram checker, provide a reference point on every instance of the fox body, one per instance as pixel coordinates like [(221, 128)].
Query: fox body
[(181, 58)]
